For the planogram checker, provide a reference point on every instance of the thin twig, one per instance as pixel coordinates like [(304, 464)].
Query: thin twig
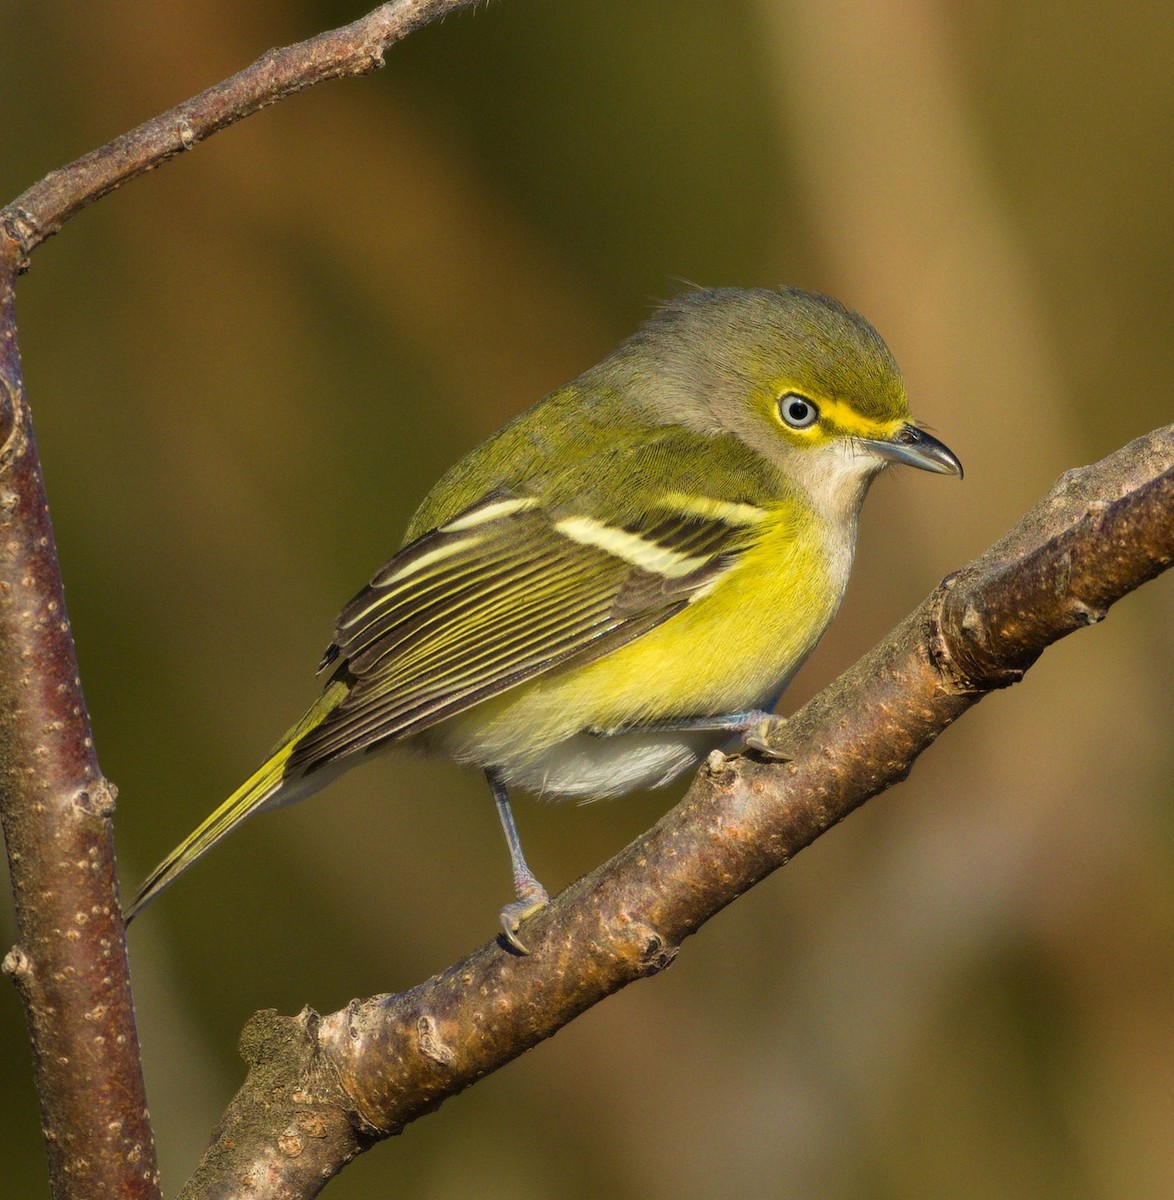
[(322, 1089), (355, 49)]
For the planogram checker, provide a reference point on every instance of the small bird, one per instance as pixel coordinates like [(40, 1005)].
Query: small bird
[(621, 579)]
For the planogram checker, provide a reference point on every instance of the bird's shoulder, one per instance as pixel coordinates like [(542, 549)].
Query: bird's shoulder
[(580, 451)]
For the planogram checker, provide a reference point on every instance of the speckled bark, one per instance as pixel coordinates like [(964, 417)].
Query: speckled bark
[(70, 958), (322, 1089)]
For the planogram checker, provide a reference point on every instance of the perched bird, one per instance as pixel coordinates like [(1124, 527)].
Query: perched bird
[(623, 577)]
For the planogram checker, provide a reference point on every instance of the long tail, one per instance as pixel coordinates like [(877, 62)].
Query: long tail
[(245, 801), (261, 790)]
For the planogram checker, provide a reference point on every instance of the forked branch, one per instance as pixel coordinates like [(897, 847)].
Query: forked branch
[(70, 958)]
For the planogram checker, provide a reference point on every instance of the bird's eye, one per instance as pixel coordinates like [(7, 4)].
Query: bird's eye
[(797, 411)]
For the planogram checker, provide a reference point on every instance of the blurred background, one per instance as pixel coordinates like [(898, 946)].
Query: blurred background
[(246, 370)]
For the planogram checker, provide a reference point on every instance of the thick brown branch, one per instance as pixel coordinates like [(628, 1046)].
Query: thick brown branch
[(321, 1090), (355, 49), (70, 958)]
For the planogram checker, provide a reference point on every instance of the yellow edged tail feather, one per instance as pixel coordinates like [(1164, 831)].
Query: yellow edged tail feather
[(261, 790), (245, 801)]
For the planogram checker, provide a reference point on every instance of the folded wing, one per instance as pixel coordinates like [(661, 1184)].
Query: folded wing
[(505, 591)]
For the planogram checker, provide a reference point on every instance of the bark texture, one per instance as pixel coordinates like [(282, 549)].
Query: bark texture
[(322, 1089), (70, 959)]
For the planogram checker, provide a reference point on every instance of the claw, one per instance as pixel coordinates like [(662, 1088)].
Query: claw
[(758, 737), (524, 907)]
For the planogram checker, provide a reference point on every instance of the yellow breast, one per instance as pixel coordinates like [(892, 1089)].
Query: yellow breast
[(732, 648)]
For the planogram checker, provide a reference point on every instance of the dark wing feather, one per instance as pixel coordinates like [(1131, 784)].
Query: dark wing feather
[(492, 598)]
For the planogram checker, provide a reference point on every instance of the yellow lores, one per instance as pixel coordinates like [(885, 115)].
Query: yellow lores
[(621, 579)]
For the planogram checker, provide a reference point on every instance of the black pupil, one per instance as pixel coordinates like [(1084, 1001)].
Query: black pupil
[(798, 410)]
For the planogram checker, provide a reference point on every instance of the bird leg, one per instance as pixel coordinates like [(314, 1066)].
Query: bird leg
[(754, 724), (531, 894)]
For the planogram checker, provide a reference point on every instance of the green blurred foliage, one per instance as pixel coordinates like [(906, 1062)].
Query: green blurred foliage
[(247, 368)]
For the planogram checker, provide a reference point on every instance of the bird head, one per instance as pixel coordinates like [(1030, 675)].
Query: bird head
[(804, 381)]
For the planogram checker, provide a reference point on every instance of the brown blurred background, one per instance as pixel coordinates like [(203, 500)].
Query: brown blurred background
[(247, 368)]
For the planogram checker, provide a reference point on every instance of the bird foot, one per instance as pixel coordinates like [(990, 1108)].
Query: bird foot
[(530, 900), (758, 738)]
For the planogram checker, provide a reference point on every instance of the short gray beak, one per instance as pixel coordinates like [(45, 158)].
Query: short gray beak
[(916, 448)]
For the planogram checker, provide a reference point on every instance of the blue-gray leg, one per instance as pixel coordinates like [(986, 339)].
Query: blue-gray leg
[(754, 724), (531, 894)]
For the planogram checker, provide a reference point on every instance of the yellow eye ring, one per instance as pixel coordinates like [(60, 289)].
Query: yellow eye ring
[(797, 411)]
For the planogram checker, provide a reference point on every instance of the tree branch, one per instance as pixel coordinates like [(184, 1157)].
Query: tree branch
[(355, 49), (70, 960), (320, 1090)]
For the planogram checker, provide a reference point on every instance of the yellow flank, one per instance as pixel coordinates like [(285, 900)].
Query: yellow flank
[(731, 652), (784, 404)]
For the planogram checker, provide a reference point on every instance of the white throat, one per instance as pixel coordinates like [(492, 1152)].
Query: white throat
[(836, 477)]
